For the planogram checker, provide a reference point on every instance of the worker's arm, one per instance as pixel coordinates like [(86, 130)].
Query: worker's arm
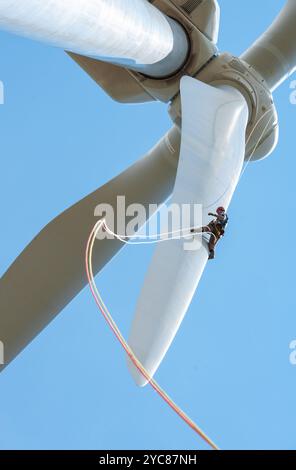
[(214, 215)]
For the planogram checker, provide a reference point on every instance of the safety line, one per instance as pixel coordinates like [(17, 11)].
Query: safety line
[(151, 239), (109, 319), (249, 158)]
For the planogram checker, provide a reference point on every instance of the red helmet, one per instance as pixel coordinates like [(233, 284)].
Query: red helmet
[(220, 210)]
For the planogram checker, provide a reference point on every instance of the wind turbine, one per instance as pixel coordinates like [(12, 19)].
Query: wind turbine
[(223, 113)]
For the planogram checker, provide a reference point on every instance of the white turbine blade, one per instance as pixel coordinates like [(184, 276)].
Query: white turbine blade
[(212, 153), (273, 55), (50, 272), (131, 30)]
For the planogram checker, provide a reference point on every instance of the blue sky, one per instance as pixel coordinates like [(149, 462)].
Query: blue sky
[(61, 138)]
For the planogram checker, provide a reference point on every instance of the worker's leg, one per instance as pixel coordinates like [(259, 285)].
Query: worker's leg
[(199, 230), (212, 243)]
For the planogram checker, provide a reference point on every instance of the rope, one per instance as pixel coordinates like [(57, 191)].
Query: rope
[(250, 157), (108, 317), (150, 239)]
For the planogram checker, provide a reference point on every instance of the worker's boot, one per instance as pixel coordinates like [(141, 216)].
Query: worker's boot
[(212, 254)]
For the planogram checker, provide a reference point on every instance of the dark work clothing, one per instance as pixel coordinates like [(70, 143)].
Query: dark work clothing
[(217, 229)]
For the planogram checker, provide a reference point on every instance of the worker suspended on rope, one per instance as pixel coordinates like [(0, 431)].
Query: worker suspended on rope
[(216, 228)]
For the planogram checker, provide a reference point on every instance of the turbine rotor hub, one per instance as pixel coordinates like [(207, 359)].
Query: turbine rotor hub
[(262, 130)]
